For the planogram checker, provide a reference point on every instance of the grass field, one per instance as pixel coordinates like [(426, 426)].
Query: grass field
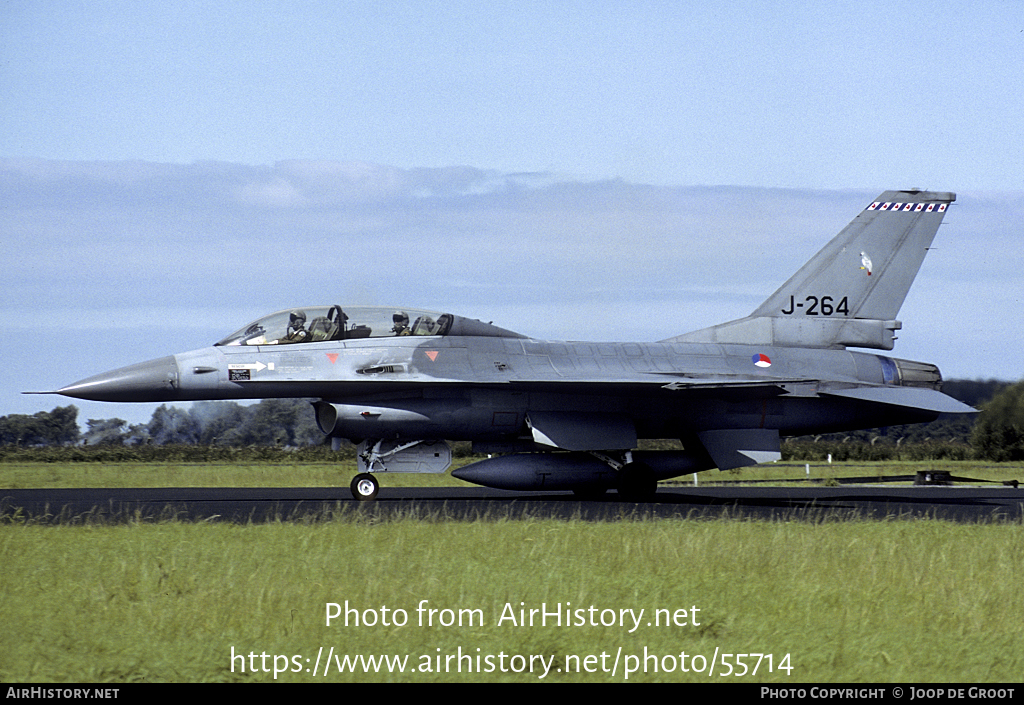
[(866, 601)]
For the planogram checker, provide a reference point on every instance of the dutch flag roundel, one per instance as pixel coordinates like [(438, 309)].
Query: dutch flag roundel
[(762, 360)]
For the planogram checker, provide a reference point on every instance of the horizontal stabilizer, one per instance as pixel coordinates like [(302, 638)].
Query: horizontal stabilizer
[(737, 448), (910, 397)]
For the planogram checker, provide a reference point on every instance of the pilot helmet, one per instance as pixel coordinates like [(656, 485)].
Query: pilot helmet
[(297, 317), (400, 318)]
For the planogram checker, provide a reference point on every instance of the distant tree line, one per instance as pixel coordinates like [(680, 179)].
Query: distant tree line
[(272, 422), (46, 428), (997, 433)]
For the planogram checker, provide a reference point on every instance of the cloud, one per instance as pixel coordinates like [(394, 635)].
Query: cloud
[(107, 263)]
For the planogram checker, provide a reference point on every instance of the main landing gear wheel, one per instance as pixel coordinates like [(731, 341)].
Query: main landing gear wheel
[(364, 486), (636, 482)]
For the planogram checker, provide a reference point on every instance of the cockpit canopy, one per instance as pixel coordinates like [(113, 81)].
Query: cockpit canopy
[(314, 324), (322, 323)]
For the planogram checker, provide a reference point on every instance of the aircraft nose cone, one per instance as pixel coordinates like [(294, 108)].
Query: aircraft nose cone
[(156, 380)]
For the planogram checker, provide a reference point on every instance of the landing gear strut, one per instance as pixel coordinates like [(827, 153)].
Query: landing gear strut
[(364, 486), (636, 482)]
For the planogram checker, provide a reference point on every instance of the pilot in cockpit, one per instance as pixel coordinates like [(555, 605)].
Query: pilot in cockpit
[(297, 332), (401, 320)]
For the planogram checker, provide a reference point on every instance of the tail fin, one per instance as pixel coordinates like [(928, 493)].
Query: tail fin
[(851, 291)]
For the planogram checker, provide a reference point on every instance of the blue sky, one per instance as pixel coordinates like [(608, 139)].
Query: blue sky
[(792, 94), (172, 170)]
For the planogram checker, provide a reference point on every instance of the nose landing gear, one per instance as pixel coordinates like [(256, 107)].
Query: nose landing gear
[(364, 486)]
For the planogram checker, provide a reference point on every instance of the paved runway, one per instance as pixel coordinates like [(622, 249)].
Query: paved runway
[(963, 504)]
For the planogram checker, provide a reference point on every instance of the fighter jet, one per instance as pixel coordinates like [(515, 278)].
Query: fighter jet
[(565, 415)]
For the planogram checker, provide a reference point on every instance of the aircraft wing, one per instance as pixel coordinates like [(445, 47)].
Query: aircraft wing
[(662, 385), (653, 385), (921, 398)]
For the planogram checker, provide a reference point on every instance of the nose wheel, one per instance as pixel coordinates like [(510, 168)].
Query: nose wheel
[(364, 487)]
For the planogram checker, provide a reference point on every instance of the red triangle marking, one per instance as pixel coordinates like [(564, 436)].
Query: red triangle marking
[(333, 357), (432, 354)]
